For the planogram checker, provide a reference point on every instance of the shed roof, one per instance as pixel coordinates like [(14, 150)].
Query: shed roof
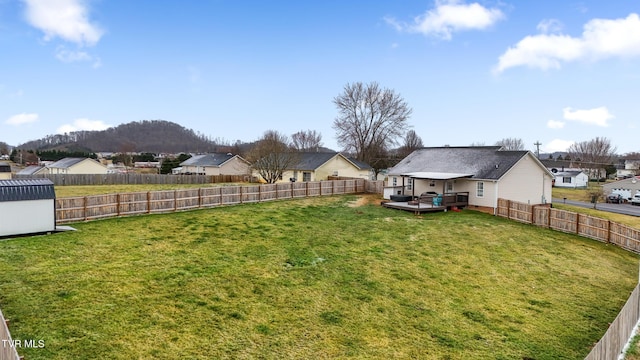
[(30, 170), (27, 189)]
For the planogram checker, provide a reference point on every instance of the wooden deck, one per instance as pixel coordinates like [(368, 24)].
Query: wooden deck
[(425, 203)]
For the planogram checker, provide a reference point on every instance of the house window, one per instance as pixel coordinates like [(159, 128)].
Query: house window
[(410, 184), (394, 181), (566, 179), (449, 187), (479, 189), (306, 176)]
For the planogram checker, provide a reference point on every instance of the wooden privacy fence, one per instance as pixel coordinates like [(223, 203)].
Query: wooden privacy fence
[(612, 343), (604, 230), (7, 348), (83, 208), (132, 178)]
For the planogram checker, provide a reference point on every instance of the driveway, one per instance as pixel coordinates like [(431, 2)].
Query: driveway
[(626, 209)]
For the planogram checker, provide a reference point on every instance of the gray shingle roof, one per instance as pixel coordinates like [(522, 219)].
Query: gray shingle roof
[(27, 189), (213, 159), (312, 160), (66, 162), (30, 170), (484, 162)]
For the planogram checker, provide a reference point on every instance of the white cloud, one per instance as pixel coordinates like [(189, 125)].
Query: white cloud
[(557, 145), (601, 38), (70, 56), (82, 124), (550, 26), (555, 124), (598, 116), (21, 119), (450, 16), (66, 19)]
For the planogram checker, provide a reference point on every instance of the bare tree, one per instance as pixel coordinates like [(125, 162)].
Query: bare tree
[(511, 144), (309, 140), (411, 142), (272, 155), (370, 120), (592, 155)]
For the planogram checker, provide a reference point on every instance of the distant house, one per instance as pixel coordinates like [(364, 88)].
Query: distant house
[(570, 178), (215, 164), (317, 166), (486, 173), (625, 187), (5, 171), (32, 170), (69, 166)]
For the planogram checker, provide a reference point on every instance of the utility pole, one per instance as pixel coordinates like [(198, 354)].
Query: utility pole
[(537, 144)]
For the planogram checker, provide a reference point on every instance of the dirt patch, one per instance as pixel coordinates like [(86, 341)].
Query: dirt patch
[(362, 200)]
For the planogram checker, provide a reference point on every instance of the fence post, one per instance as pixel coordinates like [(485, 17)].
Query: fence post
[(148, 202), (84, 208), (241, 194), (306, 189), (608, 231), (199, 197), (260, 193), (509, 209), (577, 223), (291, 184), (175, 200)]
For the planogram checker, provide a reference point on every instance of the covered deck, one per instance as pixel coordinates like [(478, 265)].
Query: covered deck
[(431, 200)]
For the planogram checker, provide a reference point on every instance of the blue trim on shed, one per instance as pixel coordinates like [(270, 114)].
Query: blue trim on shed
[(27, 189)]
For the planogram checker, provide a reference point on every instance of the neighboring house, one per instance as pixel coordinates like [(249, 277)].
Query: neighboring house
[(317, 166), (625, 187), (70, 166), (627, 168), (570, 178), (485, 172), (32, 170), (215, 164), (5, 171)]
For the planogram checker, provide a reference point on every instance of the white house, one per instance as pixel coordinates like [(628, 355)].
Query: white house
[(76, 166), (317, 166), (215, 164), (486, 173), (570, 179)]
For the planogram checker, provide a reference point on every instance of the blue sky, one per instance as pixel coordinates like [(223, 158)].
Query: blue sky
[(473, 72)]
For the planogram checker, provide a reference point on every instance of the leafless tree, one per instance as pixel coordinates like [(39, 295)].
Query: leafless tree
[(370, 120), (411, 142), (272, 155), (309, 140), (511, 144), (593, 155)]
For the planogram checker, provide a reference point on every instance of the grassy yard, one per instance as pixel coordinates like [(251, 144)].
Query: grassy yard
[(333, 277)]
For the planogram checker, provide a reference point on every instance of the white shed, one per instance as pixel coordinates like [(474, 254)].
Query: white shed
[(27, 206)]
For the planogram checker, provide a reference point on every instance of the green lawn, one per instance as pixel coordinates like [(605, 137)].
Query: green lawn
[(312, 278)]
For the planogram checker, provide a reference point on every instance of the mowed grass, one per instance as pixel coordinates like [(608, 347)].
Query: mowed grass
[(316, 278)]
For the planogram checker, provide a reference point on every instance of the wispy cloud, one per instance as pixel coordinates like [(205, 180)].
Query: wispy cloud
[(69, 56), (599, 116), (21, 119), (448, 17), (601, 38), (66, 19), (555, 124), (550, 26), (82, 124)]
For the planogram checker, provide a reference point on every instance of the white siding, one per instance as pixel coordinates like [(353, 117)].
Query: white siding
[(25, 217), (526, 182)]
